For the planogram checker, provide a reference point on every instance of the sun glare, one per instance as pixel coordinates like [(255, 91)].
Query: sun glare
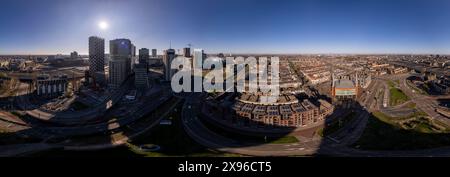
[(103, 25)]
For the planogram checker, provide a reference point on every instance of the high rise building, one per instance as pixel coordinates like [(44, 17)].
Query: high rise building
[(119, 64), (187, 52), (154, 53), (169, 55), (141, 76), (133, 58), (133, 50), (96, 55), (144, 57), (198, 58)]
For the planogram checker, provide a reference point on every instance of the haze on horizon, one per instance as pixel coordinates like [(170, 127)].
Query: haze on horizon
[(229, 26)]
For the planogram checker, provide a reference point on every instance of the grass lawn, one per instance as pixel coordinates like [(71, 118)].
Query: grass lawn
[(424, 127), (411, 105), (392, 120), (382, 133), (397, 96), (285, 140)]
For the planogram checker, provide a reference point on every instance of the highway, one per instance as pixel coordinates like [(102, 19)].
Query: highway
[(133, 122), (132, 114)]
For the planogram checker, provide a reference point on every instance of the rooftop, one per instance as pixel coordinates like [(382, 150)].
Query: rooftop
[(344, 83)]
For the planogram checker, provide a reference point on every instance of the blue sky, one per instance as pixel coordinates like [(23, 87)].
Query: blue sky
[(241, 26)]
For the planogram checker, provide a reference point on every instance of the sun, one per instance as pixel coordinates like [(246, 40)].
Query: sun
[(103, 25)]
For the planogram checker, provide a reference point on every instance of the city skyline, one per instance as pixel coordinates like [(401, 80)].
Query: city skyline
[(308, 27)]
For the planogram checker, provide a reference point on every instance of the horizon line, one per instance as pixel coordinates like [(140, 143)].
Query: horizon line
[(261, 53)]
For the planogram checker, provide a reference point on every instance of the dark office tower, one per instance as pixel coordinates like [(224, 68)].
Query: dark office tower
[(133, 50), (119, 65), (187, 52), (154, 53), (141, 76), (169, 55), (144, 57), (96, 55), (133, 58)]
